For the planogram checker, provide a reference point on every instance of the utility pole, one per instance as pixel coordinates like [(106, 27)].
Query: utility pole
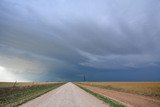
[(84, 78)]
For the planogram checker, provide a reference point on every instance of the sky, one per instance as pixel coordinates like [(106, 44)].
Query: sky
[(63, 40)]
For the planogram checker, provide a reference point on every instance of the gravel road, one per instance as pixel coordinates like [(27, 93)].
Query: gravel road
[(68, 95)]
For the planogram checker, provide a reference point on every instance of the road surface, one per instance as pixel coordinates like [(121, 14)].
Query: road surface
[(68, 95)]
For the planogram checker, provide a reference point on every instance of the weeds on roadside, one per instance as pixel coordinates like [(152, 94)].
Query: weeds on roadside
[(15, 96), (103, 98)]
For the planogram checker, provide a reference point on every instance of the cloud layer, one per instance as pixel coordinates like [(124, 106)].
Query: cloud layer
[(62, 40)]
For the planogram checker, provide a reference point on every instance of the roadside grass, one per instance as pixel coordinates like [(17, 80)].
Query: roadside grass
[(22, 84), (151, 89), (14, 96), (109, 101)]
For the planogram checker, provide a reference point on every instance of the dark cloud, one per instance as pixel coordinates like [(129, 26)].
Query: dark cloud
[(63, 40)]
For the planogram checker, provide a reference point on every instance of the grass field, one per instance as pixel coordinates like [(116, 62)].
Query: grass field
[(22, 84), (14, 94), (151, 89)]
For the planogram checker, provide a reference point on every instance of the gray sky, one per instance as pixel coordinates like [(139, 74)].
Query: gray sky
[(60, 40)]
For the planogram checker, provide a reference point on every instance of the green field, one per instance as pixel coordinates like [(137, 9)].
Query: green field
[(14, 94)]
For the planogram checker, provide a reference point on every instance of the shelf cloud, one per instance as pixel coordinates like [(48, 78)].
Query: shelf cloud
[(62, 40)]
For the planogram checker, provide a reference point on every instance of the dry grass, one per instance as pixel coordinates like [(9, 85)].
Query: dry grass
[(151, 89), (22, 84), (14, 94)]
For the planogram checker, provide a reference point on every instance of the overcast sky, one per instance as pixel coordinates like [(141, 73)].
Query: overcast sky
[(62, 40)]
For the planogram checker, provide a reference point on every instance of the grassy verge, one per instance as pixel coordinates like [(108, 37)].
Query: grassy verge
[(18, 95), (109, 101)]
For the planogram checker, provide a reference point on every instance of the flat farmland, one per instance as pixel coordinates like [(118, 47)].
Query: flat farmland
[(137, 94), (22, 84), (86, 94), (151, 89)]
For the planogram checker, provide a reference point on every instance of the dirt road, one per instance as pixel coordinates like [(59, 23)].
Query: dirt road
[(127, 98), (68, 95)]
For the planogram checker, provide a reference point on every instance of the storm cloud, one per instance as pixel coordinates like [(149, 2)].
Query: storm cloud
[(62, 40)]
